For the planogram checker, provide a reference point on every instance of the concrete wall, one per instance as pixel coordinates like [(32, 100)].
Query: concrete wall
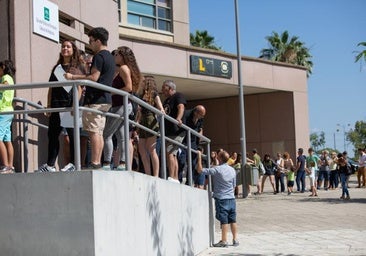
[(100, 213)]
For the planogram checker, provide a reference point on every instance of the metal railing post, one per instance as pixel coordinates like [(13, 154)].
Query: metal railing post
[(126, 127), (210, 198), (162, 147), (25, 131), (189, 154), (76, 113)]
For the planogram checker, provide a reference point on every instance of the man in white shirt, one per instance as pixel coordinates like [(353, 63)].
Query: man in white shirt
[(361, 172)]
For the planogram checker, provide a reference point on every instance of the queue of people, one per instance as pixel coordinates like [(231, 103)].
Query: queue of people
[(104, 137), (323, 172)]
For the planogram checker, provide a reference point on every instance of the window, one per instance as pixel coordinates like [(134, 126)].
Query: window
[(154, 14)]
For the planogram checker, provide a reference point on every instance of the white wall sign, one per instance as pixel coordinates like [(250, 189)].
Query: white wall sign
[(45, 19)]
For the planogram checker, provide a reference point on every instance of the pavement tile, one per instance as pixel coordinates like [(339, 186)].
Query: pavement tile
[(299, 225)]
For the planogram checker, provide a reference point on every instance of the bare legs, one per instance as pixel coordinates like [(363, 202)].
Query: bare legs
[(271, 179), (172, 166), (7, 153), (147, 150), (97, 144), (225, 230)]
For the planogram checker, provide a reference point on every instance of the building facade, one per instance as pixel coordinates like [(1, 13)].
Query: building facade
[(275, 94)]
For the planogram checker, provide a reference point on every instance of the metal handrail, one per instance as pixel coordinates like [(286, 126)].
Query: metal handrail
[(76, 108)]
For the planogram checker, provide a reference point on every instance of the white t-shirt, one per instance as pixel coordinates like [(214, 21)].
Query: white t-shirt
[(362, 160)]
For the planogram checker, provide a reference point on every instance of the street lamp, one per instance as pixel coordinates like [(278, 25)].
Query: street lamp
[(241, 99), (344, 133)]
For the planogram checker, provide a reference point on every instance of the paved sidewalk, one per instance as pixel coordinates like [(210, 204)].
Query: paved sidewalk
[(299, 225)]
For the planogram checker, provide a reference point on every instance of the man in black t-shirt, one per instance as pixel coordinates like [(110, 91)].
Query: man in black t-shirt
[(174, 106), (194, 120), (102, 71)]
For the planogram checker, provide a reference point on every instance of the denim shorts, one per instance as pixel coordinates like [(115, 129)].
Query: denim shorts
[(225, 210), (5, 127), (199, 178)]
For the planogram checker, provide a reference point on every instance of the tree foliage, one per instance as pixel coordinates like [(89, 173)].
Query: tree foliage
[(357, 136), (203, 40), (282, 48), (361, 56), (317, 140)]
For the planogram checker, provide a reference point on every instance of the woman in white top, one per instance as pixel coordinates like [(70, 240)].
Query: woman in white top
[(280, 173), (334, 176)]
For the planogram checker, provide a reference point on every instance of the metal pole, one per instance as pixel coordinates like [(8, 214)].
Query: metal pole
[(126, 129), (189, 159), (26, 138), (76, 113), (241, 101), (162, 148)]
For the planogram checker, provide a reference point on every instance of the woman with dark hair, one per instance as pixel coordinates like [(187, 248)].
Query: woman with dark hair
[(269, 167), (127, 78), (343, 172), (7, 72), (59, 97)]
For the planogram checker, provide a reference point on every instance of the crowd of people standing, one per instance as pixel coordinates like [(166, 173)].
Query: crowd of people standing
[(106, 136), (326, 171)]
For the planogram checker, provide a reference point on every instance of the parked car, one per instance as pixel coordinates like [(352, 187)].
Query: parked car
[(354, 165)]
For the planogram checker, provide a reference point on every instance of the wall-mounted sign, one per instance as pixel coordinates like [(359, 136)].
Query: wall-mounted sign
[(45, 19), (210, 67)]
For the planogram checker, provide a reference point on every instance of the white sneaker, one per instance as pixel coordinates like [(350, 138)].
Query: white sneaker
[(121, 167), (173, 180), (106, 167), (46, 168), (69, 168)]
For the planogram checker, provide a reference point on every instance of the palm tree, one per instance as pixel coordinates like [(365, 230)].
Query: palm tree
[(290, 50), (361, 55), (203, 40)]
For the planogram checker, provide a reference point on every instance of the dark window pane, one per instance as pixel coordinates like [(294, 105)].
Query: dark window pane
[(147, 22), (163, 13), (164, 25)]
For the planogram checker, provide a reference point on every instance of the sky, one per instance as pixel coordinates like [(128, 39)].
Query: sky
[(331, 29)]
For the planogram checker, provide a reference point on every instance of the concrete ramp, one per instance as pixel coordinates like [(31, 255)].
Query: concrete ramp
[(100, 213)]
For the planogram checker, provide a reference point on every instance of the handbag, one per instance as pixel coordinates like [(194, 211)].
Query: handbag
[(348, 169), (262, 171)]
